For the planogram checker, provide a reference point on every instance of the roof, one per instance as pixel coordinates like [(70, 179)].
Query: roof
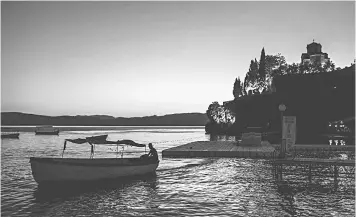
[(313, 44)]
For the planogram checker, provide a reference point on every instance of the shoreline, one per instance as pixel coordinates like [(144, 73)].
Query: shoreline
[(80, 128)]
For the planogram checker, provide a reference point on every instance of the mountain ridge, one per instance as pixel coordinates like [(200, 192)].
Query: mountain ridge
[(178, 119)]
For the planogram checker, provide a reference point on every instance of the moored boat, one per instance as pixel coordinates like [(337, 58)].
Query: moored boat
[(52, 170), (10, 135), (46, 130), (57, 170)]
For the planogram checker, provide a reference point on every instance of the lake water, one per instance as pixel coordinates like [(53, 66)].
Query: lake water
[(180, 187)]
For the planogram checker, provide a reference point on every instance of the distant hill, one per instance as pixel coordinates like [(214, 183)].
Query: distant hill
[(184, 119)]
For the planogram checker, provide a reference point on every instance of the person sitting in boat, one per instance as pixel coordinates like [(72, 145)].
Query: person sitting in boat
[(153, 152)]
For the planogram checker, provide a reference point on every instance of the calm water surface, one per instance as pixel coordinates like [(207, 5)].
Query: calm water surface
[(180, 187)]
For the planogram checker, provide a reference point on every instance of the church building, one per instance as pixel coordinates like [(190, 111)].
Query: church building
[(314, 54)]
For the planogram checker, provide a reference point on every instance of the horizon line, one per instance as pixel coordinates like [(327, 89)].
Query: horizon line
[(107, 115)]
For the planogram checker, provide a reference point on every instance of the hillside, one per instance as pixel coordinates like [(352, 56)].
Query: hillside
[(184, 119)]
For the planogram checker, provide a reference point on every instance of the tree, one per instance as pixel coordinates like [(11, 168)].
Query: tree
[(329, 66), (237, 91), (212, 111), (246, 81), (304, 68), (243, 91), (261, 74), (316, 67), (219, 114), (292, 68), (251, 78), (230, 116), (256, 91), (262, 66), (275, 65)]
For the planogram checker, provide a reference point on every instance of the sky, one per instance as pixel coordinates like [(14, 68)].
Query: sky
[(133, 59)]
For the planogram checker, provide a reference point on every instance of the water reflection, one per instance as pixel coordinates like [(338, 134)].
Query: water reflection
[(287, 193), (182, 187), (293, 193), (45, 193)]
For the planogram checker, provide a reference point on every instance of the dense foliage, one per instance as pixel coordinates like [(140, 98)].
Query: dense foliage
[(260, 75), (220, 114), (220, 118), (238, 86), (258, 79)]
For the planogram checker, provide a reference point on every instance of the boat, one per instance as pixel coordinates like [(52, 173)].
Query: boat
[(73, 170), (46, 130), (10, 135), (97, 139)]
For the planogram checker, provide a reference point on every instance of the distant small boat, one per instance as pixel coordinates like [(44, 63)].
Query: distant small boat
[(10, 135), (97, 139), (46, 130), (64, 170)]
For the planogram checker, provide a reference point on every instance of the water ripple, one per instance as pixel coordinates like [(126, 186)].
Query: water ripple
[(180, 187)]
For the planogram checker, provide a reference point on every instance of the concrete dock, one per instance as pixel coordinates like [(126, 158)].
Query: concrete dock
[(315, 161), (320, 147), (234, 149), (220, 149)]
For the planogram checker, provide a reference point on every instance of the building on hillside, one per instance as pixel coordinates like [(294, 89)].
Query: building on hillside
[(314, 54), (315, 99)]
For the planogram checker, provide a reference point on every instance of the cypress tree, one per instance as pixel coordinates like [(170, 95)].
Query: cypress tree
[(261, 78), (262, 67), (237, 88)]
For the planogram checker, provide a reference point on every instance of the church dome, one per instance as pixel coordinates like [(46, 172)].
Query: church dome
[(314, 48)]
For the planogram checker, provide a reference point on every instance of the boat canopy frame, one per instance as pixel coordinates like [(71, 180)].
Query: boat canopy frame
[(101, 140)]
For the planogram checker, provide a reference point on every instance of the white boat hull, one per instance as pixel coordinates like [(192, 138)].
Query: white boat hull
[(46, 130), (47, 170)]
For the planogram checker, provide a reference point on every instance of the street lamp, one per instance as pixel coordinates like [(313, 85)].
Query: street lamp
[(282, 108)]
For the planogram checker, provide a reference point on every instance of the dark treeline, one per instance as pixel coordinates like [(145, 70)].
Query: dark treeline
[(184, 119)]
